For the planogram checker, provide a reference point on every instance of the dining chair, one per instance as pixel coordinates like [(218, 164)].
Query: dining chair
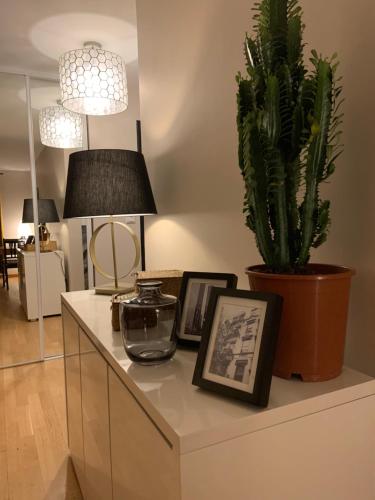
[(2, 267), (9, 258)]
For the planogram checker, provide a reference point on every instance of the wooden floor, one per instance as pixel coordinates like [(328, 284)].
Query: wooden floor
[(34, 463), (19, 338)]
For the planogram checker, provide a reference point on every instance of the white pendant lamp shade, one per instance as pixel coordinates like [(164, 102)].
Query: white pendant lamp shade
[(60, 128), (93, 81)]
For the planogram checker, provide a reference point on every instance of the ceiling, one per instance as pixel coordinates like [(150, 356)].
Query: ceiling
[(34, 34), (32, 37)]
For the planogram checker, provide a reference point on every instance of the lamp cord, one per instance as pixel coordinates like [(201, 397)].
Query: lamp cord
[(87, 133), (62, 265), (91, 219), (141, 218), (114, 251)]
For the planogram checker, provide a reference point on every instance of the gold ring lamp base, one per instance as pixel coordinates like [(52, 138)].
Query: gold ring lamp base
[(116, 286), (107, 183)]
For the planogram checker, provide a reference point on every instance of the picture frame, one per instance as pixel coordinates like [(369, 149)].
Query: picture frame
[(238, 345), (194, 300)]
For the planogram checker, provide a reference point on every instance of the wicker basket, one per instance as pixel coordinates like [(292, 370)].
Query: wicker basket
[(115, 307), (45, 246), (171, 286), (171, 280)]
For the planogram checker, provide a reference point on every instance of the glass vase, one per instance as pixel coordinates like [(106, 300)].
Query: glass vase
[(149, 324)]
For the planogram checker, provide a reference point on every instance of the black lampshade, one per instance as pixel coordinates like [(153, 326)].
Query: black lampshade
[(46, 211), (104, 182)]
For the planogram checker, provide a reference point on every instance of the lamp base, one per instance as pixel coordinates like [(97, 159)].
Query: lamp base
[(110, 289)]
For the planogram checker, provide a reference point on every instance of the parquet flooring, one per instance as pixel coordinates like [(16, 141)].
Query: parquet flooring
[(34, 463), (34, 460), (19, 338)]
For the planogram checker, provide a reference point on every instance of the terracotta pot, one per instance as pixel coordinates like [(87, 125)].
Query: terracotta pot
[(313, 325)]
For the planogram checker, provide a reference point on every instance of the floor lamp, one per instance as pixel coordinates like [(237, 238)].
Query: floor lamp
[(108, 183)]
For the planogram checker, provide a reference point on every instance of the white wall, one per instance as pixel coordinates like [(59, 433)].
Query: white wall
[(189, 53), (15, 186)]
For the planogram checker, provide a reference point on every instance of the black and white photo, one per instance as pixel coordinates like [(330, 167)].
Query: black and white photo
[(195, 293), (234, 350), (238, 344)]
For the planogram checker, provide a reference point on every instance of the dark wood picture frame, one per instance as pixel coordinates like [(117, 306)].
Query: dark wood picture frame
[(230, 280), (266, 348)]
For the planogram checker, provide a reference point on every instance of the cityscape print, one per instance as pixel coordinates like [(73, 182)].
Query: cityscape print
[(197, 307), (235, 341)]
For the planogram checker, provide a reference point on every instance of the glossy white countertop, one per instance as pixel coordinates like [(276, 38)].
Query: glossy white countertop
[(189, 417)]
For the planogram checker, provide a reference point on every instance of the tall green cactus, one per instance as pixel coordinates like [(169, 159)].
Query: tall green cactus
[(289, 131)]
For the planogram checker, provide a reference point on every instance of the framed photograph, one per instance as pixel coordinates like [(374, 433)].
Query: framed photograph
[(238, 344), (194, 297)]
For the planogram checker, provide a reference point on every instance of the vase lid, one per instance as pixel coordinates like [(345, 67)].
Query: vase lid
[(150, 295), (149, 284)]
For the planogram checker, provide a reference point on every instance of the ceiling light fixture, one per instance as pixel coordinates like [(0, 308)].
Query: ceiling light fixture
[(60, 128), (93, 81)]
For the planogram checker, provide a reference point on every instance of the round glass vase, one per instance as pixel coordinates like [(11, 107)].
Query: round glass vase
[(149, 324)]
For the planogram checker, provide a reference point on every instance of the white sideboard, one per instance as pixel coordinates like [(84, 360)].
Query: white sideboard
[(146, 433), (52, 282)]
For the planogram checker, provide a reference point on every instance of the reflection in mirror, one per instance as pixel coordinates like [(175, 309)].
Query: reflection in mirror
[(66, 240), (50, 174), (65, 262), (19, 328)]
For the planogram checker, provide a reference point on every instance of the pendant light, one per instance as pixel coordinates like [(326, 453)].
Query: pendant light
[(60, 128), (93, 81)]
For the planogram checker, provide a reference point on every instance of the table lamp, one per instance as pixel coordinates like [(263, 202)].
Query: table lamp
[(106, 183), (46, 213)]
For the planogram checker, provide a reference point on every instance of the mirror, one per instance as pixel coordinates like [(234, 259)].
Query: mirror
[(49, 166), (65, 263), (19, 328)]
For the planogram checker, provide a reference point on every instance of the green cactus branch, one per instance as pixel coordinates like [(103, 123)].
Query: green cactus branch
[(289, 136)]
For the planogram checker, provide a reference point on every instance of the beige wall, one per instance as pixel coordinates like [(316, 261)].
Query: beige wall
[(189, 53), (15, 186)]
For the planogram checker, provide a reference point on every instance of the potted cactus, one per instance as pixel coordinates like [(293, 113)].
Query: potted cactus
[(289, 140)]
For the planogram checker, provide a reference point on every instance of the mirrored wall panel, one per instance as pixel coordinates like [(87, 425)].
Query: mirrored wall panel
[(65, 262), (19, 325), (50, 130)]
